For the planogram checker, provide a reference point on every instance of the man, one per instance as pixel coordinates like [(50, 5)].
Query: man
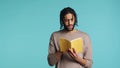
[(69, 59)]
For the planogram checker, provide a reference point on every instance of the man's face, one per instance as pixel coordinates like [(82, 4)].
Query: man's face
[(69, 21)]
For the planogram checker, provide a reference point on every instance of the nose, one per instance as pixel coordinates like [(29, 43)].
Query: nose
[(69, 22)]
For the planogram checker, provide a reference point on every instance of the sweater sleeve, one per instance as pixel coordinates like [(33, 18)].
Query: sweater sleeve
[(52, 60), (88, 52)]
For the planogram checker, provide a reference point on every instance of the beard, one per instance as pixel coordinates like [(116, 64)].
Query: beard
[(69, 27)]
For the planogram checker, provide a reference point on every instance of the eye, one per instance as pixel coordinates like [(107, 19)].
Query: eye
[(72, 19), (65, 20)]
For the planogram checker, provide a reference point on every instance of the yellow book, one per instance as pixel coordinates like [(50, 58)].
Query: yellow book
[(75, 43)]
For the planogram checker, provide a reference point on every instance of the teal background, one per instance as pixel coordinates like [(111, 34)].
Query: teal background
[(26, 26)]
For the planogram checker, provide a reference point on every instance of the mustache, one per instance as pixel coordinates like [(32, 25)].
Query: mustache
[(70, 25)]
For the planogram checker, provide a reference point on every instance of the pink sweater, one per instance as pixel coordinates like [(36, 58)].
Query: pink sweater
[(66, 61)]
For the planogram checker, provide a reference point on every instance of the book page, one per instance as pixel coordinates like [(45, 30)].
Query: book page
[(64, 45), (77, 44)]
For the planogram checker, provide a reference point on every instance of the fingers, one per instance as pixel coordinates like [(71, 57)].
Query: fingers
[(72, 52)]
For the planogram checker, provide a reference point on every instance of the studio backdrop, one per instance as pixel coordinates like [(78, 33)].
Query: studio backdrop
[(26, 26)]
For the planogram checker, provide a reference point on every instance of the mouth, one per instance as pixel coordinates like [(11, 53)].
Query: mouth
[(70, 27)]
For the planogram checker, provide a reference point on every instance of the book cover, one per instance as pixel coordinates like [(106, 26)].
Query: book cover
[(75, 43)]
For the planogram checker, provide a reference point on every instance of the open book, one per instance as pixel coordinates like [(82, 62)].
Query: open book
[(75, 43)]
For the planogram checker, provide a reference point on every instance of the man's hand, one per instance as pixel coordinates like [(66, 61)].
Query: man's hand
[(74, 55), (58, 55)]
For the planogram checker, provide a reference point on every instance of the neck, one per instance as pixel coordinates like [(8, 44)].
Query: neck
[(69, 31)]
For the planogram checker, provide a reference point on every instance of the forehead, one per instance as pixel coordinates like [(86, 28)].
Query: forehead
[(68, 16)]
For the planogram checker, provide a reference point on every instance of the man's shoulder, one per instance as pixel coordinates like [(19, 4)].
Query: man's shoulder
[(82, 33), (56, 32)]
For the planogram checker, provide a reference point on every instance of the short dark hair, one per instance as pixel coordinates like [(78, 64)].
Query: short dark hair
[(64, 12)]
